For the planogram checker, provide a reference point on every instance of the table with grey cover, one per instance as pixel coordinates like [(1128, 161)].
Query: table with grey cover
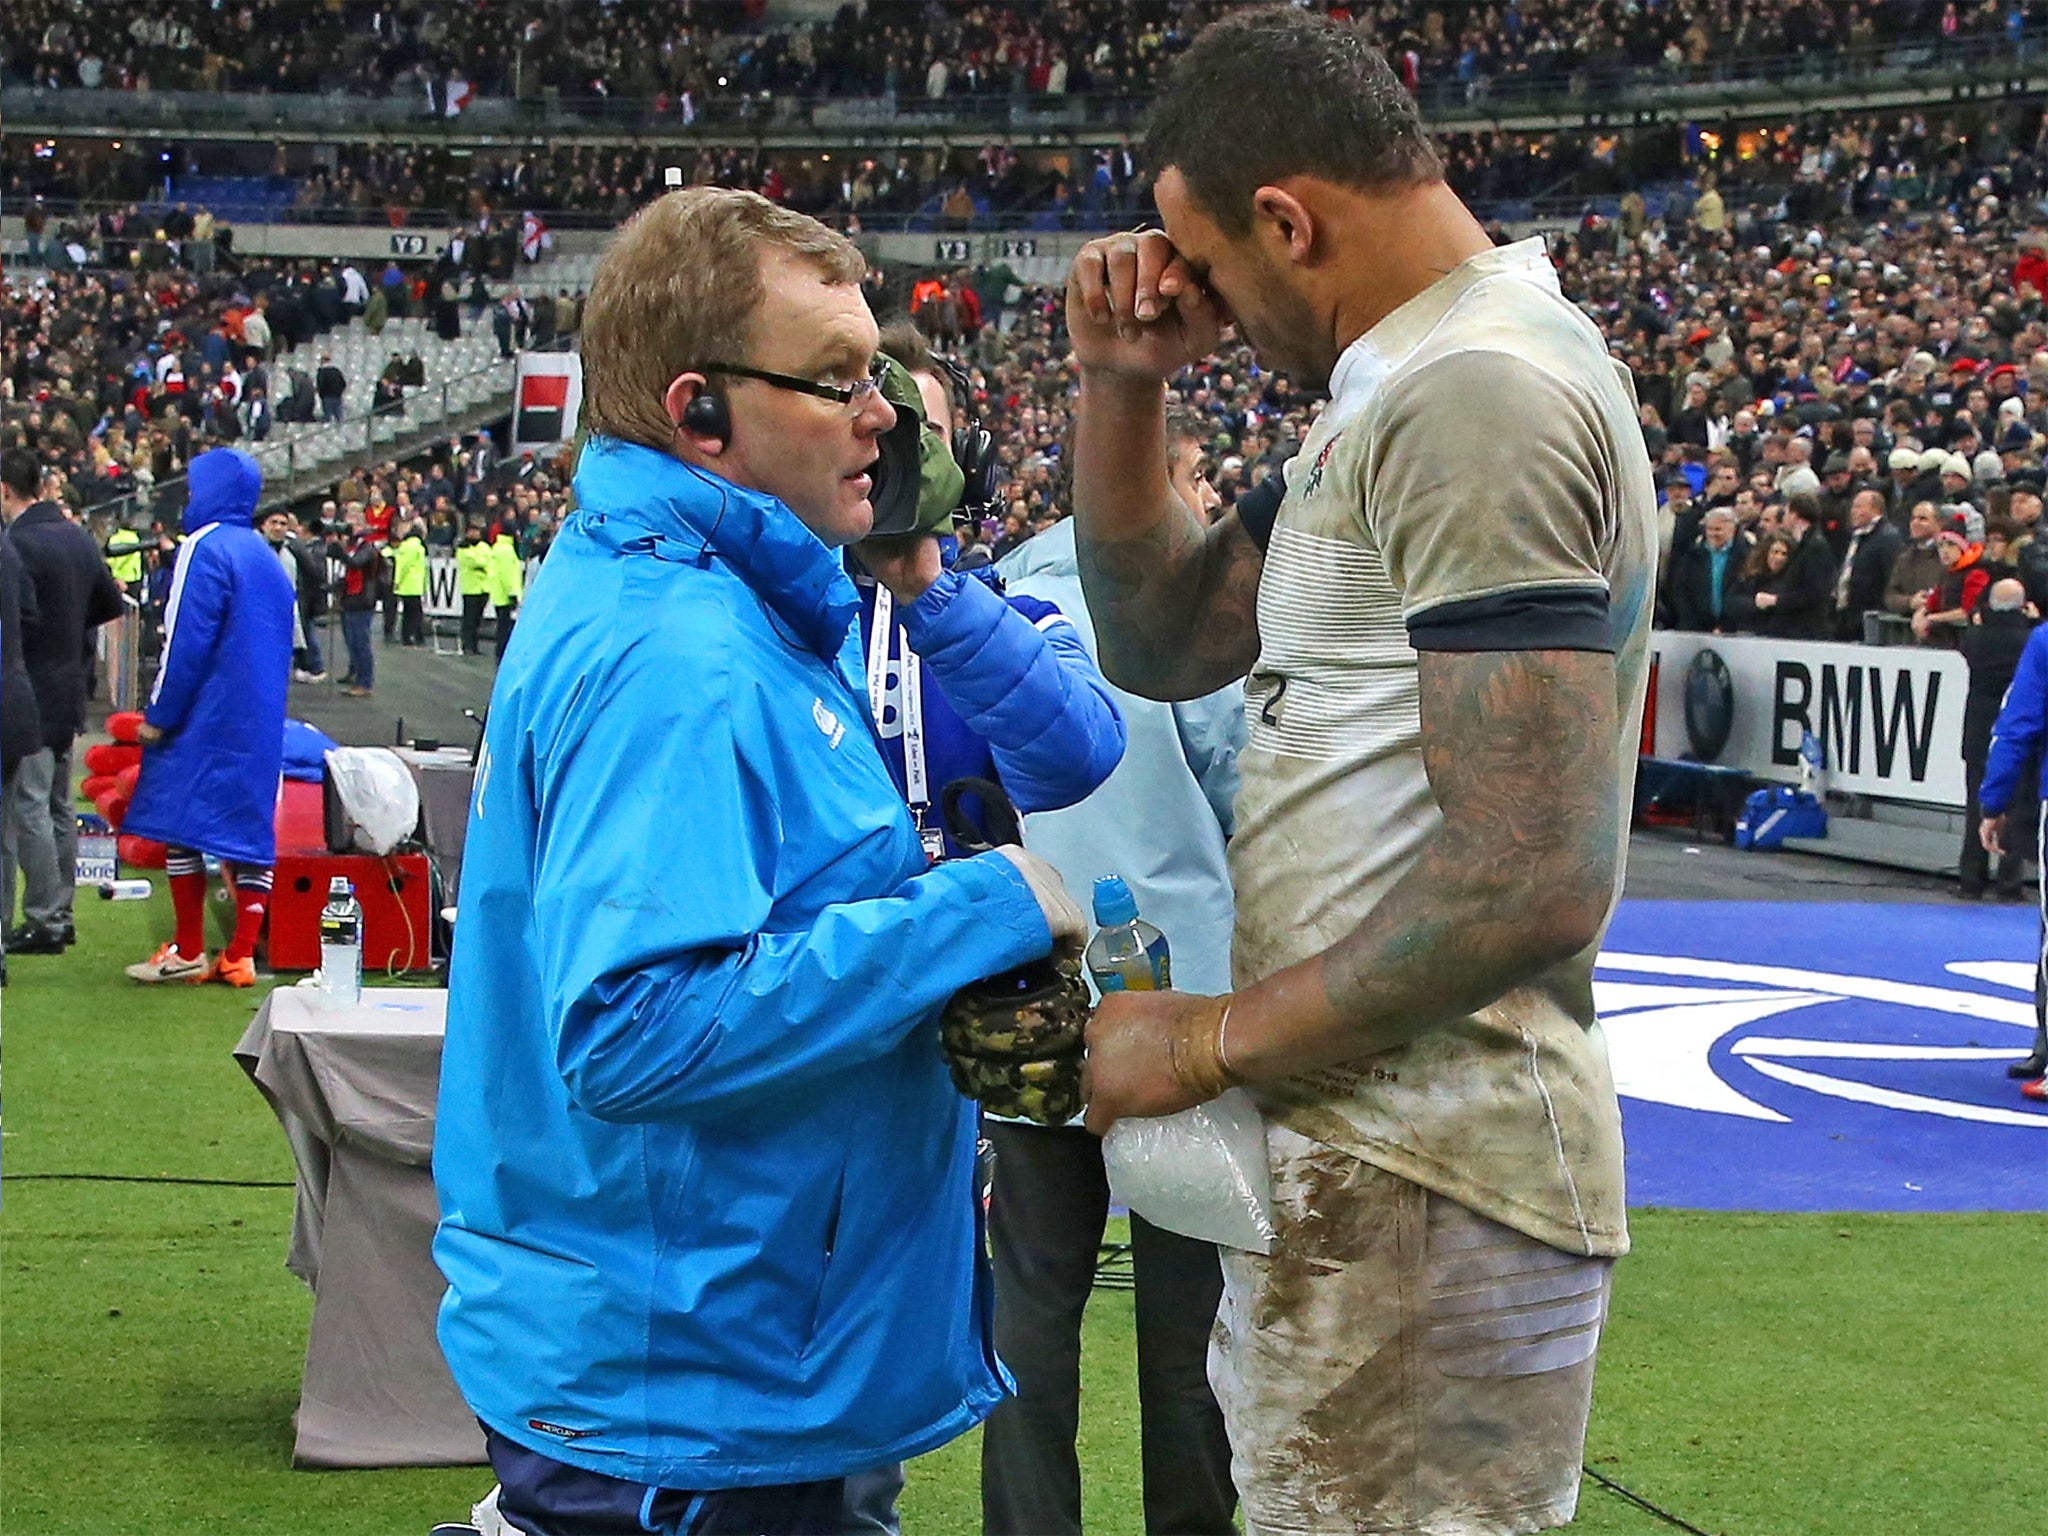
[(354, 1090)]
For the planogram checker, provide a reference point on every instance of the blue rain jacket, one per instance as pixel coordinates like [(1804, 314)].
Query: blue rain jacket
[(220, 687), (707, 1212), (1009, 692), (305, 751), (2016, 738)]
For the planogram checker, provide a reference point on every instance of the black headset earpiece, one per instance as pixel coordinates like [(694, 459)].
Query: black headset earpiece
[(706, 416), (974, 452), (974, 448)]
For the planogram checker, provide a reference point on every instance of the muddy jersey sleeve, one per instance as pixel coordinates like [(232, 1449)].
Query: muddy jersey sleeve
[(1486, 496)]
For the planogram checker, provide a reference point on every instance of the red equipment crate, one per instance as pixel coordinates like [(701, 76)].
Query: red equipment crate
[(393, 893)]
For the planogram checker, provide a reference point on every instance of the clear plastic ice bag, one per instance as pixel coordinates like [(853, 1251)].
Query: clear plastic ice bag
[(1202, 1173)]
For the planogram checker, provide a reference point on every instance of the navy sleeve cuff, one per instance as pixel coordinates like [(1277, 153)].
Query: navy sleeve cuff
[(1259, 508), (1542, 619)]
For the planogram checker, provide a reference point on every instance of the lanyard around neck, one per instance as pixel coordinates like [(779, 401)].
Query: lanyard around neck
[(910, 694)]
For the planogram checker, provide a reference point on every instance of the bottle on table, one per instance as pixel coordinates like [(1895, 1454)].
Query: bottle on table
[(341, 946), (1127, 954)]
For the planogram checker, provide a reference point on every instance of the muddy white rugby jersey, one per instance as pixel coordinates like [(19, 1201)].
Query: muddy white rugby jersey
[(1477, 482)]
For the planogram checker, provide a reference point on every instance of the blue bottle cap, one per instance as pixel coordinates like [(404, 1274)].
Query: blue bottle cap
[(1114, 903)]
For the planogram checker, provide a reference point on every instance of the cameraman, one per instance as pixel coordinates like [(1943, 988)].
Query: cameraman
[(706, 1189), (362, 579), (1018, 698), (1004, 687)]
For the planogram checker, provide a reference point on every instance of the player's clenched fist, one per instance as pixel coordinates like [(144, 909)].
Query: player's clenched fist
[(1134, 307)]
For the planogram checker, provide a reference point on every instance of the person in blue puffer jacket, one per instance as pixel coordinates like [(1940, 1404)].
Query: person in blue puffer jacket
[(213, 734), (707, 1211), (964, 680)]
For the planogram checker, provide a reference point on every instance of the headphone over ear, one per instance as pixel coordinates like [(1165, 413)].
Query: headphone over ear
[(974, 448), (706, 416), (974, 451)]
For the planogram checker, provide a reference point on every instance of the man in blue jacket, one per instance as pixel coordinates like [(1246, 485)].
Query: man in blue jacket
[(213, 734), (2016, 744), (707, 1192)]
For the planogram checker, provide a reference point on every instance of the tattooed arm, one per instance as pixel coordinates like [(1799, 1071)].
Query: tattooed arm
[(1174, 603), (1519, 747), (1520, 751)]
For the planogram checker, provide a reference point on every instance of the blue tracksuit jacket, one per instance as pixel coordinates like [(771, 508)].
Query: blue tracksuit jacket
[(220, 687), (707, 1211)]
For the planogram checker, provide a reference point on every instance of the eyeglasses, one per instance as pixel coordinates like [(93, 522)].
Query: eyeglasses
[(845, 394)]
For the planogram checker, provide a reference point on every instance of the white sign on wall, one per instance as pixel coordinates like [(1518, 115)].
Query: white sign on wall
[(444, 596), (444, 586), (1889, 718)]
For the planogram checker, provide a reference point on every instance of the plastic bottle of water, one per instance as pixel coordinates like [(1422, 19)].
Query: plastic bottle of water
[(1126, 954), (341, 946)]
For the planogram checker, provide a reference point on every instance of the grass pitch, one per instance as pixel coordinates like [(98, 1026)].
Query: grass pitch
[(1862, 1375)]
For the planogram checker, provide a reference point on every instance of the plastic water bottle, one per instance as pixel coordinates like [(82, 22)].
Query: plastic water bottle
[(341, 946), (1813, 765), (1126, 954), (124, 890)]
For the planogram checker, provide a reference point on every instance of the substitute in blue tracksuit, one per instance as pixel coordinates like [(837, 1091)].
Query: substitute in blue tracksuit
[(213, 733), (707, 1192), (2016, 747)]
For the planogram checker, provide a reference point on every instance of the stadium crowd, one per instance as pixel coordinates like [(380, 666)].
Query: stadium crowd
[(1827, 317), (1848, 420), (1851, 162), (117, 379), (679, 53)]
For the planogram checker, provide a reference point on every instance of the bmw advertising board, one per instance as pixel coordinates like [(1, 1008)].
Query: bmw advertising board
[(1889, 718)]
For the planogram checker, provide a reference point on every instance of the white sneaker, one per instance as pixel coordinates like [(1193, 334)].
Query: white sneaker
[(168, 965), (485, 1517), (309, 677)]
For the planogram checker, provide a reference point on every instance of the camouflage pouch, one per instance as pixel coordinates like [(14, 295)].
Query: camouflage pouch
[(1014, 1041)]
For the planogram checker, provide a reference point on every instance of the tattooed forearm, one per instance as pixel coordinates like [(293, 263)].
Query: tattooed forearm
[(1175, 609), (1520, 751), (1174, 604)]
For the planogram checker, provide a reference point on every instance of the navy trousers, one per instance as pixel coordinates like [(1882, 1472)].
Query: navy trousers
[(549, 1498)]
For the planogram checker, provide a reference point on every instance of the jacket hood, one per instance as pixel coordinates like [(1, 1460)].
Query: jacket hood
[(225, 484), (1050, 553), (694, 515)]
